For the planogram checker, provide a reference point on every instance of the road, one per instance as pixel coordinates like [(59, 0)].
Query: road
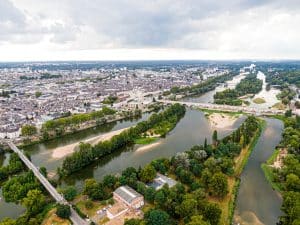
[(228, 108), (75, 218)]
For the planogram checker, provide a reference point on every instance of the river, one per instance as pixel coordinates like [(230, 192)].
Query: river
[(257, 203), (192, 129)]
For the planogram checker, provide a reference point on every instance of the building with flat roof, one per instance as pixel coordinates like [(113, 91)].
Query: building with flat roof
[(160, 180), (129, 197)]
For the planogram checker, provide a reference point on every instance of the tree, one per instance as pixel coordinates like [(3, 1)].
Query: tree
[(28, 130), (198, 220), (219, 185), (205, 144), (38, 94), (94, 190), (187, 208), (157, 217), (148, 173), (109, 181), (160, 198), (63, 211), (291, 208), (88, 204), (288, 113), (150, 194), (8, 221), (215, 137), (34, 202), (292, 182), (212, 213), (132, 222), (69, 193)]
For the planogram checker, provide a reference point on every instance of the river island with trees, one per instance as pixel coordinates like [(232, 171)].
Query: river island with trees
[(250, 85), (207, 175)]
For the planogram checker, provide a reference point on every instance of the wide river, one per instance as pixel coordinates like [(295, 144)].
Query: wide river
[(192, 129)]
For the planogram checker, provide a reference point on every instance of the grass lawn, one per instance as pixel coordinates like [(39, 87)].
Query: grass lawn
[(211, 111), (92, 211), (273, 157), (279, 106), (259, 100), (145, 140), (270, 177), (224, 203), (52, 219)]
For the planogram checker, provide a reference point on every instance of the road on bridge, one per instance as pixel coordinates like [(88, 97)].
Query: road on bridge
[(228, 108), (75, 218)]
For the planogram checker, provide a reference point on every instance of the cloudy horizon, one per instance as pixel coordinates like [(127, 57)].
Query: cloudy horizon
[(32, 30)]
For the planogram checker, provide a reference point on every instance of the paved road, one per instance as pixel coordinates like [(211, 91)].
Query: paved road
[(75, 218), (227, 107)]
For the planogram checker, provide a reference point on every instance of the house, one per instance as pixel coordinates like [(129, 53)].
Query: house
[(129, 197), (160, 180)]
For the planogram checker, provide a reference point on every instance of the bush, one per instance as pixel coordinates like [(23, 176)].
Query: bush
[(63, 211), (88, 204)]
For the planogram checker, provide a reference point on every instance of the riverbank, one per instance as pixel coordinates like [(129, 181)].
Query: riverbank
[(222, 120), (61, 152), (250, 209), (229, 202), (147, 147)]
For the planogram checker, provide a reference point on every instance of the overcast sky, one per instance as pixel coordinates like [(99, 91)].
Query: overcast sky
[(149, 29)]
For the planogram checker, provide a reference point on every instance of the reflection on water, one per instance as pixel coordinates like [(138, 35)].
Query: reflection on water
[(268, 96), (41, 154), (208, 97), (191, 130), (256, 199)]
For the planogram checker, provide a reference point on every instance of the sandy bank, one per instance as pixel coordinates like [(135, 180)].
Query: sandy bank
[(147, 147), (63, 151), (222, 120)]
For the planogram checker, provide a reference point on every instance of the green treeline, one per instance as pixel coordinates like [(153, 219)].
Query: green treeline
[(59, 126), (282, 78), (25, 189), (87, 153), (15, 165), (249, 85), (202, 172), (287, 178), (203, 87)]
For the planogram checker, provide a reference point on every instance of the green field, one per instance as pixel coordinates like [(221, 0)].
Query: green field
[(259, 101)]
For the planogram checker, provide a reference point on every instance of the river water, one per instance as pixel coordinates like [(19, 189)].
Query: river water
[(192, 129), (257, 203)]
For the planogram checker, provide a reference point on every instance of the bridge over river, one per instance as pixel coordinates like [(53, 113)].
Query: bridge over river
[(228, 108), (75, 218)]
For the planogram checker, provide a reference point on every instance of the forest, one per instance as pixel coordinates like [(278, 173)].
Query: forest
[(57, 127), (249, 85), (88, 154), (281, 78), (203, 87), (202, 175)]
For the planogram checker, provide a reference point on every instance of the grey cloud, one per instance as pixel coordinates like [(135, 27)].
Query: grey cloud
[(188, 24)]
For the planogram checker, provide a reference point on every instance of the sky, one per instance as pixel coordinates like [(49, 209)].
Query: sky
[(41, 30)]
